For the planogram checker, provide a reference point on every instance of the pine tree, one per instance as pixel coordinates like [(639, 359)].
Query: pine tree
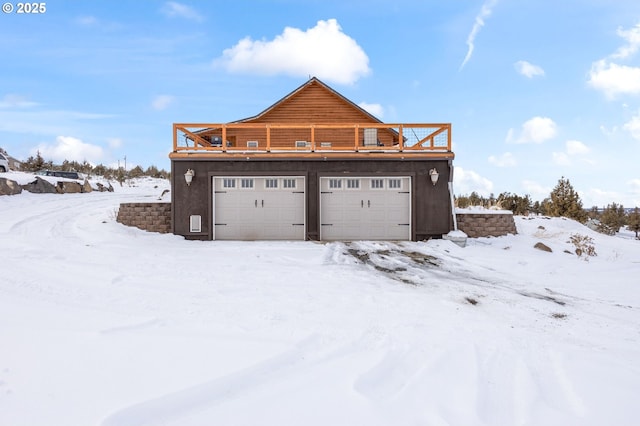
[(135, 172), (33, 164), (633, 221), (566, 202), (613, 218), (517, 204)]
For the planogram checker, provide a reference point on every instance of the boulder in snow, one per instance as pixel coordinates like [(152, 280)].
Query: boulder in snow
[(543, 247), (86, 187), (40, 186), (9, 187), (65, 187)]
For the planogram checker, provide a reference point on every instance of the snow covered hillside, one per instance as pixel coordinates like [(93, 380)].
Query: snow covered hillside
[(102, 324)]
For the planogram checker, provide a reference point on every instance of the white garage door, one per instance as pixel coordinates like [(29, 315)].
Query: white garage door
[(258, 208), (365, 208)]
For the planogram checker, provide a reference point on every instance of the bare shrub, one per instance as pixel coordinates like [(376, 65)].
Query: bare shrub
[(584, 246)]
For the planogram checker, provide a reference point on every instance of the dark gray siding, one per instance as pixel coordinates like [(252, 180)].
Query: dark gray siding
[(431, 205)]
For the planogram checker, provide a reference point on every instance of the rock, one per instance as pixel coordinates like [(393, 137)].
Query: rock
[(543, 247), (9, 187), (65, 187), (40, 186), (86, 187)]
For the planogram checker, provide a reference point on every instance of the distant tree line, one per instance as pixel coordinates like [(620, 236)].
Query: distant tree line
[(562, 201), (34, 164)]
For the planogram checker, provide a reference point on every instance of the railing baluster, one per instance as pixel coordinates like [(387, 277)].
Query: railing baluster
[(425, 137)]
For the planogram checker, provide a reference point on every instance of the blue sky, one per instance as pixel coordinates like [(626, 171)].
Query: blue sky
[(534, 89)]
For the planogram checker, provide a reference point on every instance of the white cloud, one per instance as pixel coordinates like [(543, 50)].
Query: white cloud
[(535, 130), (601, 198), (633, 126), (485, 12), (114, 143), (561, 159), (575, 147), (16, 101), (70, 148), (323, 51), (536, 190), (505, 160), (162, 102), (174, 9), (375, 109), (632, 37), (468, 181), (528, 70), (87, 21), (614, 79), (608, 132), (45, 122)]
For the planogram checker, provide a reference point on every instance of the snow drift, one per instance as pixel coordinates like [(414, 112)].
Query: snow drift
[(101, 324)]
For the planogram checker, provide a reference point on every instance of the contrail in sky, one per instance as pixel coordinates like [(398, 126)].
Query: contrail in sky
[(485, 12)]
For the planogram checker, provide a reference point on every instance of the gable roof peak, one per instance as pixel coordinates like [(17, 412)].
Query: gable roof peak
[(312, 80)]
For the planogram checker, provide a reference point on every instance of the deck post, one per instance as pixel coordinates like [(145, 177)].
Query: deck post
[(268, 138), (224, 138), (355, 138), (313, 138)]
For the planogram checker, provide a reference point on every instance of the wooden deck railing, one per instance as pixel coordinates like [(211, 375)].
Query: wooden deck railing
[(291, 137)]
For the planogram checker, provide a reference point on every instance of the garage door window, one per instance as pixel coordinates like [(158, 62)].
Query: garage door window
[(335, 183), (289, 183), (377, 183), (228, 183), (271, 183), (395, 183), (246, 183), (353, 183)]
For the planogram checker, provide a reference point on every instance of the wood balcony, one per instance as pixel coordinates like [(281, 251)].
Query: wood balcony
[(311, 140)]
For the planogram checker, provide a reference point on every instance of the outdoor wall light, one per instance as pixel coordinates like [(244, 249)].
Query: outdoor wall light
[(433, 173), (188, 176)]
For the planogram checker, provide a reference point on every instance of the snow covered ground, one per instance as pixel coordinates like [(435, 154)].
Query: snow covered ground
[(102, 324)]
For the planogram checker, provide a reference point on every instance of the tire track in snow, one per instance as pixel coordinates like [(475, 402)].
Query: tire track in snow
[(174, 406)]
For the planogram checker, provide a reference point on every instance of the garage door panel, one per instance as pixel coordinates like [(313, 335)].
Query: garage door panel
[(260, 210), (365, 208)]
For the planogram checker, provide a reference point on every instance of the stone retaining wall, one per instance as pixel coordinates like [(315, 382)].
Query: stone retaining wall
[(486, 224), (153, 217), (156, 217)]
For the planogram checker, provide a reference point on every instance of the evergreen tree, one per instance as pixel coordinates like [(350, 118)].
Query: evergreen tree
[(33, 164), (613, 218), (566, 202), (152, 171), (517, 204), (536, 208), (135, 172), (545, 206), (633, 221)]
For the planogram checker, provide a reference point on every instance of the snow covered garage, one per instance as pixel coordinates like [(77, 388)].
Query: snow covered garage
[(313, 166)]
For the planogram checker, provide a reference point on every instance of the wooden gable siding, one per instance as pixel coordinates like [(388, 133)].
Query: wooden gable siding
[(311, 104), (316, 104)]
